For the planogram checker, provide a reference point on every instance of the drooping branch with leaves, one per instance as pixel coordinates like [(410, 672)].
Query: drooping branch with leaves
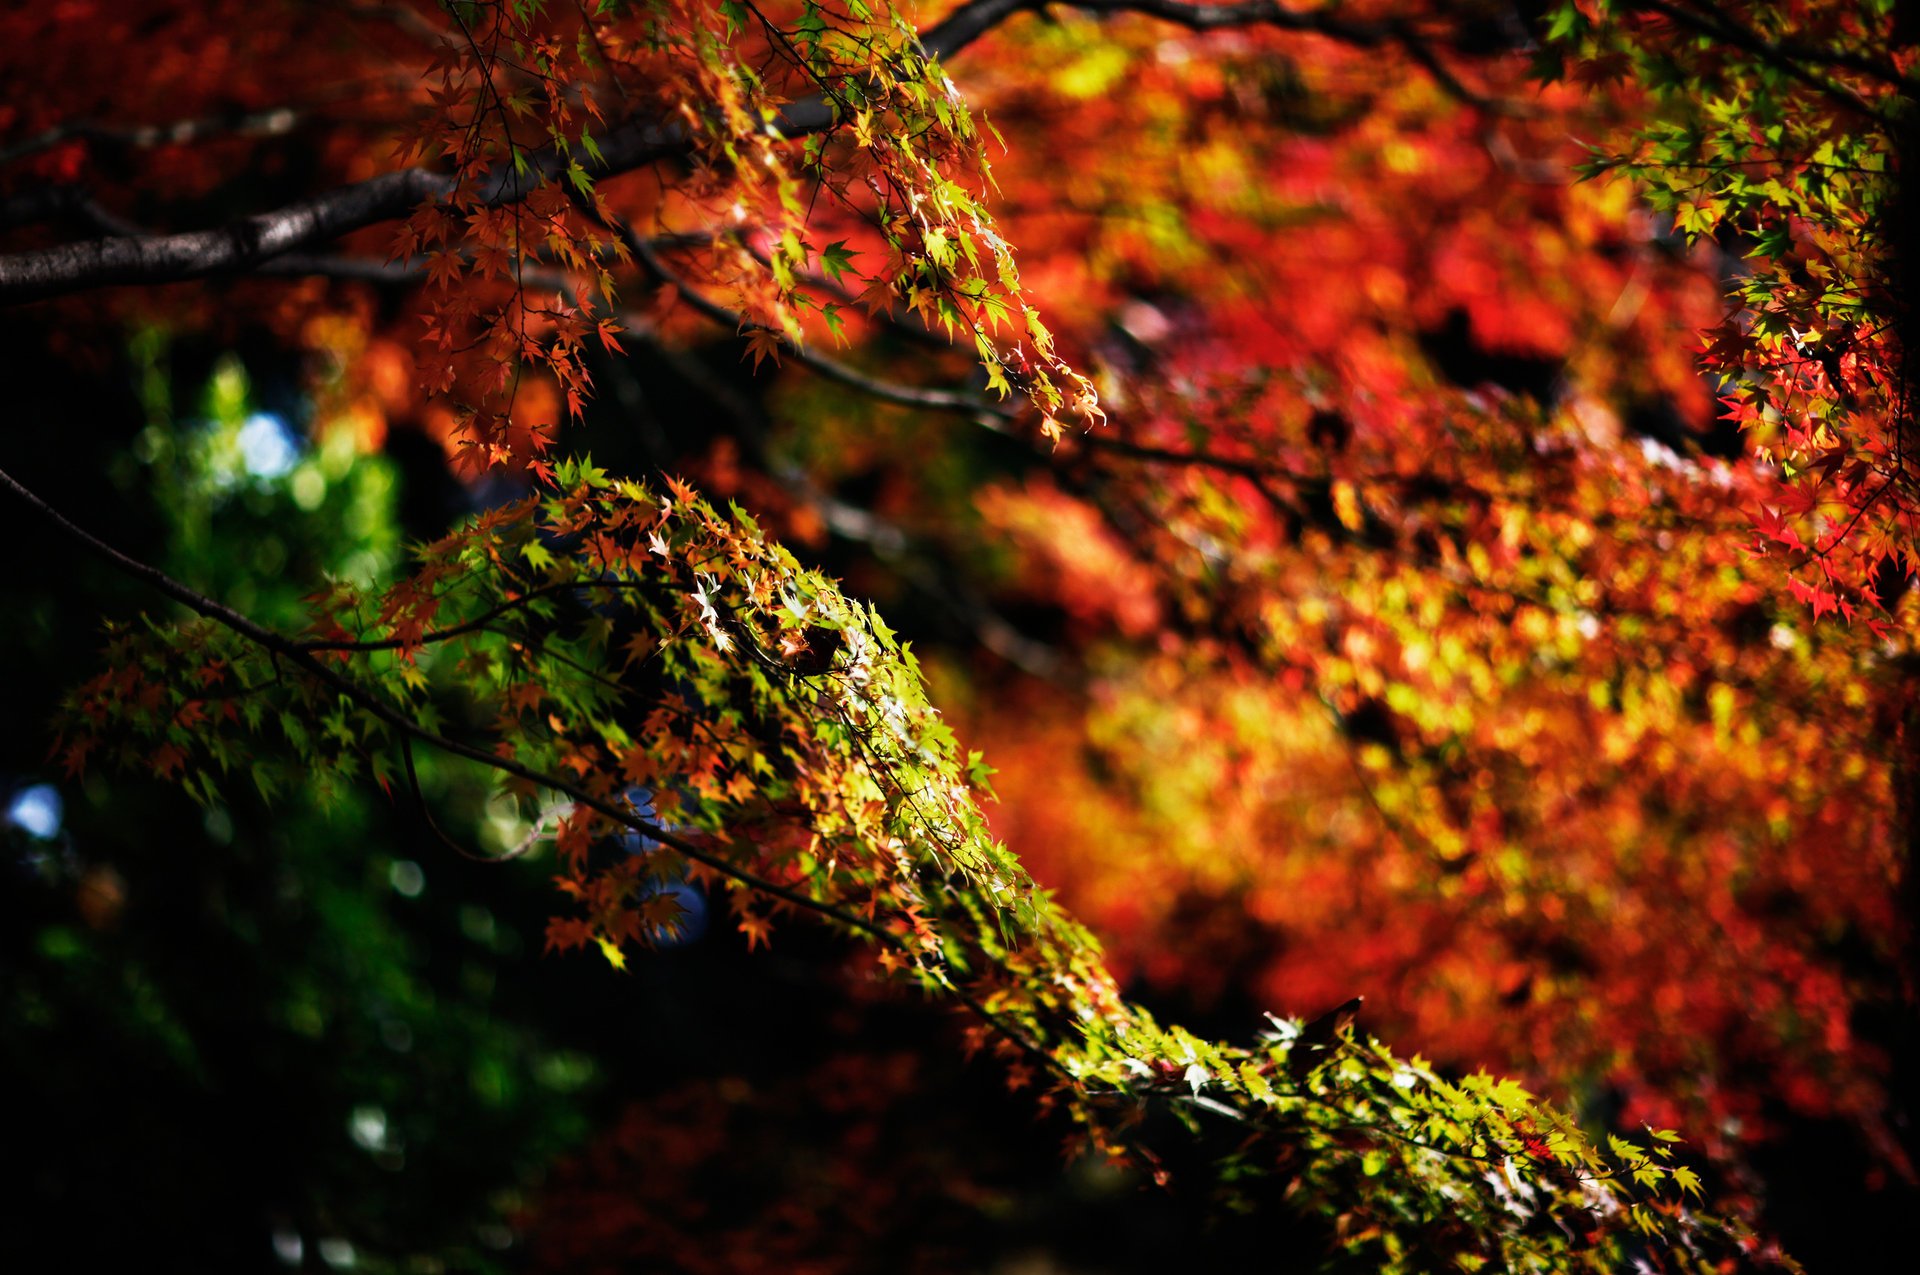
[(687, 700)]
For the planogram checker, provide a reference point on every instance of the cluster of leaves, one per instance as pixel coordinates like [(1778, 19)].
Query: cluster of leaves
[(887, 139), (512, 107), (1772, 133)]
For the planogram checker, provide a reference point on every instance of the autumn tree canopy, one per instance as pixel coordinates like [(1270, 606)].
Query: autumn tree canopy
[(1331, 580)]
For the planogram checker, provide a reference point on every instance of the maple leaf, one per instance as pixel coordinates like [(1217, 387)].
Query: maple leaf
[(757, 928), (615, 957), (167, 760), (764, 344)]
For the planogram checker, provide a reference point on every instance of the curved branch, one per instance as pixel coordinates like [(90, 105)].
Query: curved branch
[(937, 400)]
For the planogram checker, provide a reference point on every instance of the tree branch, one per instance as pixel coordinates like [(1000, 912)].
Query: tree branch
[(153, 259), (936, 400), (971, 21), (1793, 59), (247, 244), (259, 124)]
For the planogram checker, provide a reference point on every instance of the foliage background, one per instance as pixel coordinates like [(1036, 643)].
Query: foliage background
[(231, 1029)]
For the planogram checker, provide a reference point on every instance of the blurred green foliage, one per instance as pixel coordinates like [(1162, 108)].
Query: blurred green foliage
[(232, 1032)]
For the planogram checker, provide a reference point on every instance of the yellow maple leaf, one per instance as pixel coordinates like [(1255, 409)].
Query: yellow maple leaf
[(615, 957)]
